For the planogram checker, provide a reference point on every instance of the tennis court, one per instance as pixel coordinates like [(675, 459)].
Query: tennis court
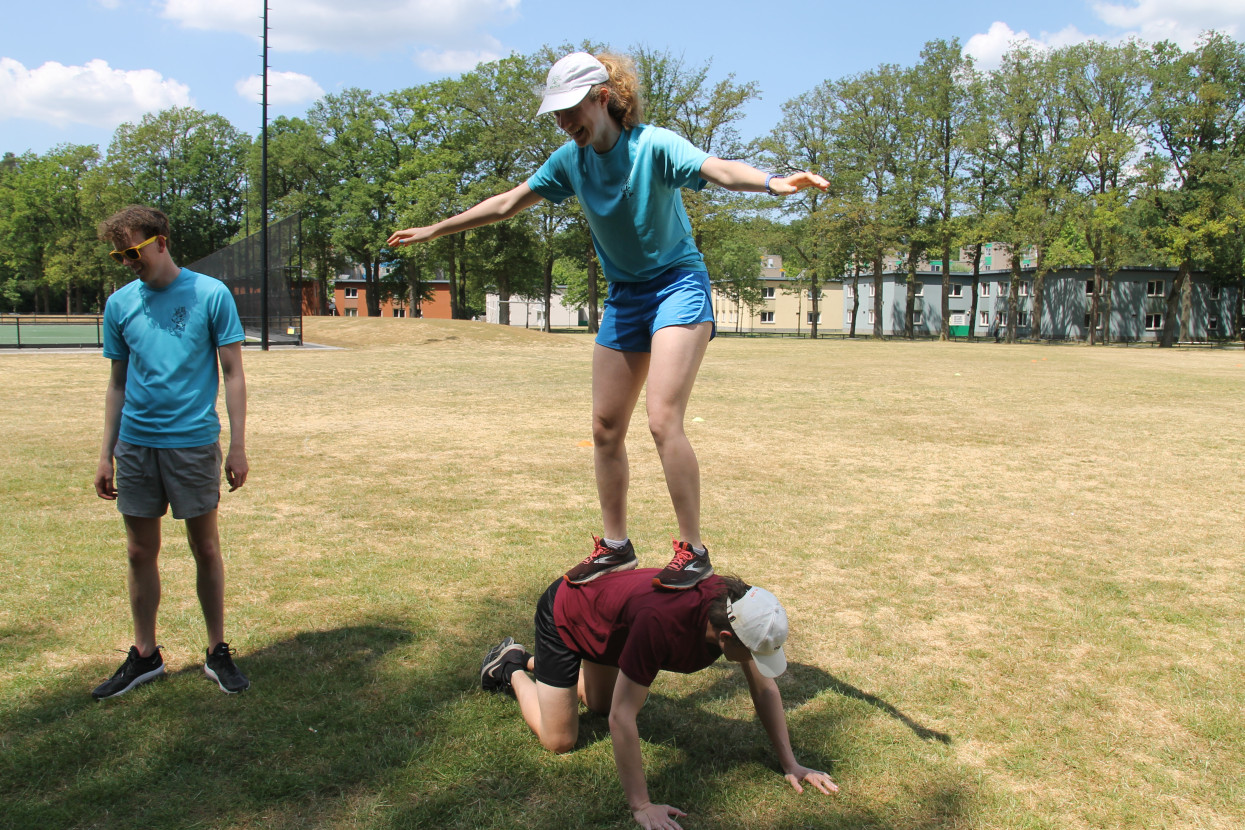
[(34, 331)]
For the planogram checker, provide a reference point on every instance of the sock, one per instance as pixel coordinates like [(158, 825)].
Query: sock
[(508, 670), (615, 544), (699, 551)]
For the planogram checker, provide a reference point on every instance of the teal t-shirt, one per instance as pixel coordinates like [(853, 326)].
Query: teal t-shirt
[(169, 339), (631, 198)]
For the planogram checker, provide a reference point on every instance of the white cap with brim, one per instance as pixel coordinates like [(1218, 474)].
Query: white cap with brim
[(569, 81), (760, 623)]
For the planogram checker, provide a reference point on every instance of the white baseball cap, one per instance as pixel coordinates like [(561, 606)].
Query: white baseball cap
[(760, 623), (569, 81)]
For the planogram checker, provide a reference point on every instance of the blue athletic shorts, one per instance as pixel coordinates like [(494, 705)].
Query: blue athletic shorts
[(634, 311)]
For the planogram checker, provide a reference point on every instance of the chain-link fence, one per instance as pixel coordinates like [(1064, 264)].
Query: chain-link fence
[(238, 266)]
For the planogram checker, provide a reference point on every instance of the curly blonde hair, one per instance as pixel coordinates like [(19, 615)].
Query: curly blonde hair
[(626, 103)]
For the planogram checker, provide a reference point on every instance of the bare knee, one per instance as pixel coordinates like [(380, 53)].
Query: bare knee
[(141, 554), (558, 744), (608, 433), (665, 427)]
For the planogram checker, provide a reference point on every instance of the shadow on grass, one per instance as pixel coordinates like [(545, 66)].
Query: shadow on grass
[(379, 725)]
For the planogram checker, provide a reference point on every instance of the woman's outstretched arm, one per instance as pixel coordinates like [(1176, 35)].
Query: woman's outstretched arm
[(493, 209)]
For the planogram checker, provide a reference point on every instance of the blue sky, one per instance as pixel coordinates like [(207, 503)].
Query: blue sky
[(72, 70)]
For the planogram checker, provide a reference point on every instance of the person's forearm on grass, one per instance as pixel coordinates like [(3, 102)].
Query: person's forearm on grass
[(767, 701), (628, 697)]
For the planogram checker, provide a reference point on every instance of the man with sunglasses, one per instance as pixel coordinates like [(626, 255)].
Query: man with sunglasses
[(164, 333)]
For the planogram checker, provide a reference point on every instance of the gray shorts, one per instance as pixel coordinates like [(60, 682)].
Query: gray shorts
[(149, 479)]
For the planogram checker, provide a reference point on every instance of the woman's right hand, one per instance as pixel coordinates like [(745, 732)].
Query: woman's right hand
[(410, 236)]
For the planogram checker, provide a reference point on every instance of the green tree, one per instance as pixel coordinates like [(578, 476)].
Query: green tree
[(189, 164), (1197, 136)]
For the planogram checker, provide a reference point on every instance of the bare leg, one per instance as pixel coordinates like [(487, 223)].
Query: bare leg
[(596, 686), (551, 713), (617, 378), (204, 539), (677, 353), (142, 547)]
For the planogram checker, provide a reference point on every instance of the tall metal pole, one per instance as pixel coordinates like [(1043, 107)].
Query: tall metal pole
[(263, 195)]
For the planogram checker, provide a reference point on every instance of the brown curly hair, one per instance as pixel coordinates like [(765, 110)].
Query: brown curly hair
[(146, 220), (734, 589), (626, 103)]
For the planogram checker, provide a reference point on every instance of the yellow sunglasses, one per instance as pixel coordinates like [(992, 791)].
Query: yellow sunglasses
[(132, 253)]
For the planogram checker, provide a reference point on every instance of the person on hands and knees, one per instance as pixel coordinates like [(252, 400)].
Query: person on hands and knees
[(603, 643), (658, 316), (165, 333)]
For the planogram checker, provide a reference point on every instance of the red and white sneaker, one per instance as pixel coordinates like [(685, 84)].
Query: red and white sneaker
[(602, 560), (685, 570)]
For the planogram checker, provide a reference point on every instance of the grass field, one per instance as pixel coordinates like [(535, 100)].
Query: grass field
[(1015, 576)]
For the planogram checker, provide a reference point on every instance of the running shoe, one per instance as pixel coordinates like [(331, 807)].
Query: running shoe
[(135, 671), (493, 675), (219, 666), (685, 570), (602, 560)]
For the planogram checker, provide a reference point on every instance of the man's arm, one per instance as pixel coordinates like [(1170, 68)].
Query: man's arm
[(236, 466), (768, 702), (114, 401), (629, 697)]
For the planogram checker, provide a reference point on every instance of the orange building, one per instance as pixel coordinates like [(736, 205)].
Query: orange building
[(350, 300)]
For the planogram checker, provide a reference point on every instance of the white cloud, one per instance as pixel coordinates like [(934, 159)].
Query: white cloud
[(94, 94), (454, 61), (284, 88), (360, 25), (987, 49), (1181, 21)]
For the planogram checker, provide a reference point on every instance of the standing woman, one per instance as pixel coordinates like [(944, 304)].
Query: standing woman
[(658, 315)]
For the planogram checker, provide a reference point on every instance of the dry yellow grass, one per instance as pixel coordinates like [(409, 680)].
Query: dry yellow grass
[(1035, 551)]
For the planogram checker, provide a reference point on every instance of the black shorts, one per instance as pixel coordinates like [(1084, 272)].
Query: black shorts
[(556, 665)]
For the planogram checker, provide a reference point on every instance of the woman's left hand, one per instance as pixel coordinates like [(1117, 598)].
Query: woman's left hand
[(795, 182)]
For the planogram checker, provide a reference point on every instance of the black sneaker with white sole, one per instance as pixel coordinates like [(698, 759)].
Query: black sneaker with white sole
[(135, 671), (220, 667), (685, 570), (493, 674), (602, 560)]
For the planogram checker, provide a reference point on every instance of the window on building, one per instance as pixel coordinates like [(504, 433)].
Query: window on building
[(1024, 289), (872, 290), (1216, 291), (1003, 319), (810, 318), (1154, 322), (808, 295), (983, 318), (769, 262), (957, 290), (959, 319), (399, 312), (847, 291), (1022, 319), (983, 290), (352, 293), (1089, 288), (352, 312), (920, 289), (1212, 324), (918, 319), (936, 267), (767, 317), (767, 293), (1085, 320), (871, 317), (1156, 288)]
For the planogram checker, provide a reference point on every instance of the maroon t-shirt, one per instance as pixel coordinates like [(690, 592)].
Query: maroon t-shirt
[(622, 620)]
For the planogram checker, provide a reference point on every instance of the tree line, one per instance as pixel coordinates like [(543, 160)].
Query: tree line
[(1102, 155)]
